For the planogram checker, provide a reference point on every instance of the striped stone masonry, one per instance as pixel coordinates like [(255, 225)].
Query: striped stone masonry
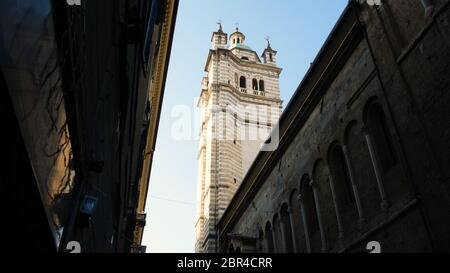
[(240, 105)]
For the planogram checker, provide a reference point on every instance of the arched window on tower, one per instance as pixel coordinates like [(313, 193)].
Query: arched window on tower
[(255, 84), (271, 57), (242, 82), (261, 85), (238, 40)]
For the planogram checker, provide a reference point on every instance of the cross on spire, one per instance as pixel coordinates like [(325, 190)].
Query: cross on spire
[(219, 22), (237, 26), (268, 41)]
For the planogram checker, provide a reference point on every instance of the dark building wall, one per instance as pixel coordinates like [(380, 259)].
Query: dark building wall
[(52, 55), (19, 190), (416, 84), (97, 51), (30, 64), (85, 89), (367, 155)]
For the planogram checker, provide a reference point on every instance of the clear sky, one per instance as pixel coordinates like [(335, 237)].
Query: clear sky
[(297, 30)]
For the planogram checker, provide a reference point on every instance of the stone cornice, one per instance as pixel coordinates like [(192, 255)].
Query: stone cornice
[(241, 96), (248, 50), (241, 62)]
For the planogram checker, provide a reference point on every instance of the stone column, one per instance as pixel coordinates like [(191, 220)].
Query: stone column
[(352, 181), (376, 167), (336, 207), (274, 239), (313, 185), (295, 245), (267, 241), (263, 242), (283, 236), (305, 223)]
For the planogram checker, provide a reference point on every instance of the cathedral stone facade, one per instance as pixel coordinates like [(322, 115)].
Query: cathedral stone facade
[(363, 162), (240, 104)]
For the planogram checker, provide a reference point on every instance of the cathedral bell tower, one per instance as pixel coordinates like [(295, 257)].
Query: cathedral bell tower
[(239, 105)]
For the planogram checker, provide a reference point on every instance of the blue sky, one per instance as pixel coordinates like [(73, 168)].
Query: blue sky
[(297, 30)]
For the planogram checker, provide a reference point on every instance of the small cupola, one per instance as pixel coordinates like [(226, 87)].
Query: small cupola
[(237, 38)]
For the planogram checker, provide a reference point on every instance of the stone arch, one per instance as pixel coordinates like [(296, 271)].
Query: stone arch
[(342, 184), (296, 221), (242, 82), (384, 156), (375, 121), (320, 175), (286, 227), (278, 239), (269, 237), (255, 84), (311, 220), (262, 85), (363, 173)]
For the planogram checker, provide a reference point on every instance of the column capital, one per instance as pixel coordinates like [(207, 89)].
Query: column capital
[(344, 148), (365, 130), (330, 177)]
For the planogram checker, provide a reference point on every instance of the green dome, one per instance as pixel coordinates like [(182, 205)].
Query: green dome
[(242, 46)]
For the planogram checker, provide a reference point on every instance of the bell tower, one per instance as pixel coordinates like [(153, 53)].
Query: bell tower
[(219, 38), (239, 105), (269, 55)]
